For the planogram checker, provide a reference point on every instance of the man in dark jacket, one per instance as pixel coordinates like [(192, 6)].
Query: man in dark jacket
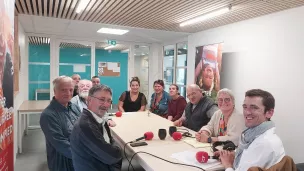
[(198, 111), (57, 122), (93, 147)]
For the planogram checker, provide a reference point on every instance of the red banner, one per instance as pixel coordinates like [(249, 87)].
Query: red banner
[(6, 85)]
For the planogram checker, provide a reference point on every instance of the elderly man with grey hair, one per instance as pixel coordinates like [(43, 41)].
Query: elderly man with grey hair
[(83, 92), (57, 121), (92, 145), (226, 123), (198, 111)]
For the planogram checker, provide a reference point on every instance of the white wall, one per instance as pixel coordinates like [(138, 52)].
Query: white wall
[(273, 61), (23, 81)]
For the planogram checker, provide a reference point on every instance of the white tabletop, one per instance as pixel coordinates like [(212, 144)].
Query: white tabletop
[(33, 105), (133, 125), (43, 90)]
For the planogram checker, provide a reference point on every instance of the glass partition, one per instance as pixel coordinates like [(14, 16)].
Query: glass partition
[(75, 58), (181, 67), (168, 66), (38, 72), (141, 69)]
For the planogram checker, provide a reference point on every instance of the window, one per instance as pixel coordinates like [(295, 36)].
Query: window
[(175, 66)]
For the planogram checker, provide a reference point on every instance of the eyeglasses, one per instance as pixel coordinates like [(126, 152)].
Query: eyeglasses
[(226, 100), (103, 100)]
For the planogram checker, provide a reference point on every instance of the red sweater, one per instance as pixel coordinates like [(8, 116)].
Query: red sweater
[(176, 107)]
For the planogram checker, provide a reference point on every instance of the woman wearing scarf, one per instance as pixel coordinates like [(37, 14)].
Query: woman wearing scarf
[(259, 146), (226, 123), (159, 99)]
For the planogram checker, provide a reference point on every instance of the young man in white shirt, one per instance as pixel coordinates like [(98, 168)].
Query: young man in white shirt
[(259, 145)]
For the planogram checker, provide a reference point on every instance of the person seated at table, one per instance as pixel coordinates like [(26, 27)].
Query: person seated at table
[(93, 147), (159, 99), (133, 100), (198, 111), (83, 92), (225, 124), (259, 145), (81, 99), (57, 121), (176, 105), (76, 78), (95, 80)]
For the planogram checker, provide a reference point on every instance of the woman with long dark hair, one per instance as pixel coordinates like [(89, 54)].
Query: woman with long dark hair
[(133, 100)]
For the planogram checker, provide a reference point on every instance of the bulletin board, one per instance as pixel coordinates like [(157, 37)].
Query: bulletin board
[(109, 69)]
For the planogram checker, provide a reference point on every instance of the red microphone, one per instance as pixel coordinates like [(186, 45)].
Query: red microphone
[(202, 157), (118, 114), (147, 136), (177, 136)]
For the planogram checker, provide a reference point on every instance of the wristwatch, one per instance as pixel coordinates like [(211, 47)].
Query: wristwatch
[(209, 140)]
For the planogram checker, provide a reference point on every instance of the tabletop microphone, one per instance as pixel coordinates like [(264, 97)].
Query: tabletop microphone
[(118, 114), (147, 136), (177, 136), (202, 157)]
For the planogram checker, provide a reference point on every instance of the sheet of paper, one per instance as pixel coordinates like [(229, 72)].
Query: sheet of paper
[(79, 68), (188, 157), (196, 144), (112, 65), (117, 69)]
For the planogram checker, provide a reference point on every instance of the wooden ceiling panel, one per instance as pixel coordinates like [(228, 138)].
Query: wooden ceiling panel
[(155, 14)]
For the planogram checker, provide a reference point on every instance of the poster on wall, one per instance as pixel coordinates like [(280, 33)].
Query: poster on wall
[(6, 84), (109, 69), (208, 63)]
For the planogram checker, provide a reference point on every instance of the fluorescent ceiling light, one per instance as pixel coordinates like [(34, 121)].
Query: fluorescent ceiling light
[(125, 51), (82, 5), (109, 47), (205, 16), (112, 31)]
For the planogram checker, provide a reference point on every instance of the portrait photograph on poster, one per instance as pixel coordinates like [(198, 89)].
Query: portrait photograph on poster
[(208, 63)]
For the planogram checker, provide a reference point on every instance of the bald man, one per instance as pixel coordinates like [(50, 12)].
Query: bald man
[(198, 111)]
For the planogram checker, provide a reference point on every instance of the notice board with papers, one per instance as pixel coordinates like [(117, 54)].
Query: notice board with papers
[(109, 69)]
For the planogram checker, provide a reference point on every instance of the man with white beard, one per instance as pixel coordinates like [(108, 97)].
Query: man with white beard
[(83, 91), (80, 100)]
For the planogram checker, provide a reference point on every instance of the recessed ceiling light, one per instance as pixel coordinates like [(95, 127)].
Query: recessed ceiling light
[(109, 47), (82, 5), (112, 31), (206, 16)]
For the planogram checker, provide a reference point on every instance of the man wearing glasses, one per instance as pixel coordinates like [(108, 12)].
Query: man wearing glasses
[(92, 145), (198, 111), (259, 145), (81, 99)]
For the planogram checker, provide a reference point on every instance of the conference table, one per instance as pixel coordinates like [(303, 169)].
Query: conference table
[(132, 125), (28, 107)]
